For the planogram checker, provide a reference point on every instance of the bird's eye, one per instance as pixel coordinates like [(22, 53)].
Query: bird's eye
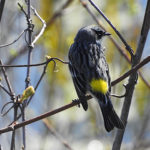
[(99, 33)]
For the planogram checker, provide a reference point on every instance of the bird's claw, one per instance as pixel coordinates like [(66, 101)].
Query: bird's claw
[(76, 101)]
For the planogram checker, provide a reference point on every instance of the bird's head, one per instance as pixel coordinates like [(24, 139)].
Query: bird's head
[(90, 34)]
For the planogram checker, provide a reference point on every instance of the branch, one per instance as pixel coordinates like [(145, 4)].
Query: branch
[(40, 79), (131, 84), (2, 86), (39, 64), (133, 70), (58, 136), (45, 115), (12, 95), (141, 132), (1, 46), (129, 49), (43, 27), (59, 12), (125, 75), (2, 3), (49, 23), (119, 48)]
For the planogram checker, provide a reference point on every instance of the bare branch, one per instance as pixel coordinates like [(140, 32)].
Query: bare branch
[(59, 12), (2, 86), (41, 77), (129, 49), (2, 3), (125, 75), (131, 84), (119, 48), (134, 69), (8, 82), (43, 27), (141, 132), (55, 133), (1, 46), (49, 23), (45, 115), (39, 64), (21, 7)]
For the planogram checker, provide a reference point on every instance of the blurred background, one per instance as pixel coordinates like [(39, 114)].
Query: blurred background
[(74, 127)]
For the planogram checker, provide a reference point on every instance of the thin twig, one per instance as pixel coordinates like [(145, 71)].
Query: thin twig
[(56, 134), (40, 79), (45, 115), (2, 3), (2, 86), (125, 75), (144, 80), (8, 82), (43, 27), (119, 48), (38, 64), (133, 70), (49, 23), (3, 114), (30, 30), (131, 84), (59, 12), (22, 9), (144, 124), (14, 132), (1, 46), (129, 49), (30, 47)]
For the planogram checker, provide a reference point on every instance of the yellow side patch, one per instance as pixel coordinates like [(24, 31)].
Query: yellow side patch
[(99, 85)]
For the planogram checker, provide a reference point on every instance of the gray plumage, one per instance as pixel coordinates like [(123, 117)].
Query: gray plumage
[(86, 62)]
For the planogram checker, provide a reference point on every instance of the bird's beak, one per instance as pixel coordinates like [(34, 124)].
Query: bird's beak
[(106, 33)]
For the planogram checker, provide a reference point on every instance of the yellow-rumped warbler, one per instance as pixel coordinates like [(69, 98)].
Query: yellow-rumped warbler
[(90, 72)]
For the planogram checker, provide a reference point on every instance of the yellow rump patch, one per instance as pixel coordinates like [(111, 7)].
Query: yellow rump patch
[(99, 85)]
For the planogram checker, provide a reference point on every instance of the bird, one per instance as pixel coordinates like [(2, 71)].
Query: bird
[(90, 73)]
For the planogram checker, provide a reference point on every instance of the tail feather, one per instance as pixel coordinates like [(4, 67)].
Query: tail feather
[(111, 119), (117, 121)]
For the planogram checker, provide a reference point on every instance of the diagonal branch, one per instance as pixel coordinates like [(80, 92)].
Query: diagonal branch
[(129, 49), (133, 70), (12, 95), (2, 3), (38, 64), (50, 113), (59, 12), (1, 46), (77, 102), (119, 48), (131, 84), (125, 75), (56, 134), (49, 23), (43, 27)]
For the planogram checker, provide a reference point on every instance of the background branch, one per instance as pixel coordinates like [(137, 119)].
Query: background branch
[(50, 113), (1, 46), (129, 49), (2, 3), (119, 48), (56, 134), (131, 84)]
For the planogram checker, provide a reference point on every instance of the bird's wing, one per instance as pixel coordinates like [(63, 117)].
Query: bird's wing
[(80, 86), (75, 61)]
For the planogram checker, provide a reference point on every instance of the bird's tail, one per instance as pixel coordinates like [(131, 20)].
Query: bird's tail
[(111, 119)]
